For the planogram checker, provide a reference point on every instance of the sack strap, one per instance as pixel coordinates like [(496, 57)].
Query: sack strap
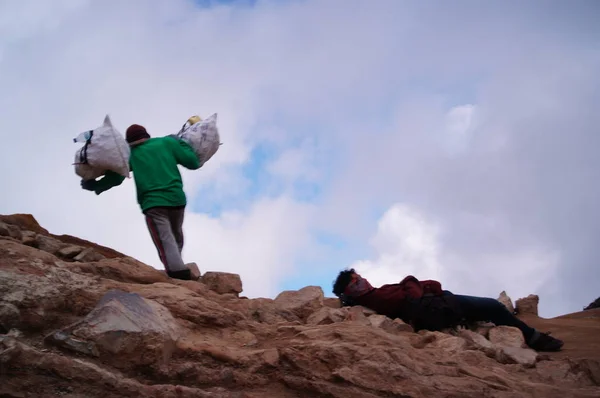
[(83, 153), (180, 132)]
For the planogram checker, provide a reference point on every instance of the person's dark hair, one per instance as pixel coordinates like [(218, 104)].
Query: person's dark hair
[(344, 277)]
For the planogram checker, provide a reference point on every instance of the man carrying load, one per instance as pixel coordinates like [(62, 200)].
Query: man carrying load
[(160, 194)]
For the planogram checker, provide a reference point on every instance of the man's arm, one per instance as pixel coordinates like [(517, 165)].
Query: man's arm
[(184, 153), (110, 180)]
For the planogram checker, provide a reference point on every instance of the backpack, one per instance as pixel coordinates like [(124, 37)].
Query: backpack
[(434, 312)]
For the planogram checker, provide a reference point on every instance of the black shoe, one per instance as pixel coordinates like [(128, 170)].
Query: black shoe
[(545, 342), (184, 275)]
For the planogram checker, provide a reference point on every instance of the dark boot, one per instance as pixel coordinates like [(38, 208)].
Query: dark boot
[(185, 274), (544, 342)]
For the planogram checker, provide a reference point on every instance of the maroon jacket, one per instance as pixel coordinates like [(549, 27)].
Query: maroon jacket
[(388, 300)]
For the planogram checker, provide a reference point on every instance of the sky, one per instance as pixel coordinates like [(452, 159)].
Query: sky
[(455, 141)]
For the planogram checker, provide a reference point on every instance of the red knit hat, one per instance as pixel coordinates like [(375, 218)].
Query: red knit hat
[(135, 132)]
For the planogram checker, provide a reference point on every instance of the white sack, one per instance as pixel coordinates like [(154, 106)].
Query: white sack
[(106, 149), (203, 137)]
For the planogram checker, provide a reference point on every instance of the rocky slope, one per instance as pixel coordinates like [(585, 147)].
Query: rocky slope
[(593, 304), (81, 320)]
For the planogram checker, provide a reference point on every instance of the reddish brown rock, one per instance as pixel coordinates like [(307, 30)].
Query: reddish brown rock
[(527, 305), (507, 336), (332, 302), (28, 238), (193, 267), (391, 326), (262, 310), (48, 244), (325, 316), (223, 282), (293, 346), (521, 356), (125, 330), (443, 341), (10, 317), (124, 269), (301, 302), (81, 377), (477, 341), (357, 314), (10, 231), (504, 299), (25, 222), (4, 229), (69, 252), (88, 255)]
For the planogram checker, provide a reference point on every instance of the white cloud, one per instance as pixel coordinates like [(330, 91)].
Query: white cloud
[(405, 244), (26, 18), (458, 128), (408, 244), (258, 245)]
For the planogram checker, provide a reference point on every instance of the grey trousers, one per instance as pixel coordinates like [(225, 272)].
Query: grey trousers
[(165, 226)]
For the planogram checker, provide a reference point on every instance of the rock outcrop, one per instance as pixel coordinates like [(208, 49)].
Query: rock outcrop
[(223, 282), (527, 305), (593, 304), (109, 325), (124, 329), (504, 299)]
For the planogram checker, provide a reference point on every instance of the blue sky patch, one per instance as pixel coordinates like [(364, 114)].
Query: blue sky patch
[(213, 3), (321, 270)]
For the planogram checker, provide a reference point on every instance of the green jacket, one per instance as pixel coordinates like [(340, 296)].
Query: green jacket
[(155, 172)]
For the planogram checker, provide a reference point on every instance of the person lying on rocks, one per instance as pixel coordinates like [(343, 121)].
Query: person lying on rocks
[(424, 305), (160, 194)]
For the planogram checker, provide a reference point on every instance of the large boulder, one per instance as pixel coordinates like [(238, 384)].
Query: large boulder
[(442, 341), (124, 269), (186, 304), (10, 231), (325, 316), (195, 272), (88, 255), (70, 251), (514, 355), (48, 244), (391, 326), (125, 329), (265, 310), (507, 336), (24, 222), (510, 346), (44, 290), (301, 302), (528, 305), (332, 302), (223, 282), (10, 317), (78, 377), (4, 231), (357, 312), (477, 341), (593, 304), (28, 238)]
